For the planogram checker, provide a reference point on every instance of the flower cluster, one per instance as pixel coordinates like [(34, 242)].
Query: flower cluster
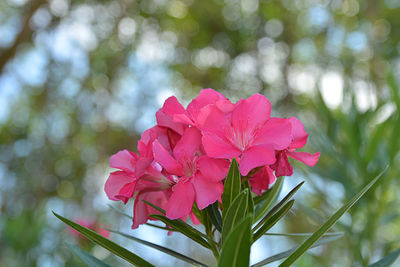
[(184, 159)]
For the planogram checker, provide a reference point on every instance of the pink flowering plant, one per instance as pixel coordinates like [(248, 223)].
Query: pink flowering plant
[(216, 165)]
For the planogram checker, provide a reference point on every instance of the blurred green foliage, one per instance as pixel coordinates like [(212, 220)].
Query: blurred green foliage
[(79, 80)]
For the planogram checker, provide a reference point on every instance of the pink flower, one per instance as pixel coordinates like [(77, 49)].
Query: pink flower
[(282, 166), (248, 133), (174, 116), (198, 177), (262, 180)]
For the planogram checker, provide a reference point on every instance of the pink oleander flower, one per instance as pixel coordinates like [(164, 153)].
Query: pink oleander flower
[(197, 176), (247, 133), (174, 116), (299, 137), (262, 180)]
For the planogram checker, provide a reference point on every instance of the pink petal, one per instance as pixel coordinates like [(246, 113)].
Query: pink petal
[(282, 166), (141, 210), (256, 156), (213, 120), (207, 191), (145, 144), (213, 169), (124, 160), (299, 135), (181, 201), (306, 158), (164, 158), (251, 113), (205, 97), (225, 105), (262, 180), (172, 106), (218, 147), (183, 118), (115, 182), (276, 132), (188, 145), (194, 219), (166, 120)]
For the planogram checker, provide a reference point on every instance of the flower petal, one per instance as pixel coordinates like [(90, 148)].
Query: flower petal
[(205, 97), (181, 201), (282, 166), (299, 135), (141, 210), (116, 182), (256, 156), (164, 158), (306, 158), (213, 120), (188, 145), (218, 147), (250, 113), (207, 191), (166, 120), (262, 180), (213, 169), (276, 132), (124, 160)]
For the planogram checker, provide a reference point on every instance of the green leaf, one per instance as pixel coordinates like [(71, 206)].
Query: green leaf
[(120, 212), (106, 243), (160, 227), (303, 234), (215, 215), (250, 202), (236, 250), (235, 214), (286, 253), (328, 224), (388, 260), (154, 206), (184, 228), (277, 206), (268, 198), (161, 248), (271, 221), (86, 257), (231, 187)]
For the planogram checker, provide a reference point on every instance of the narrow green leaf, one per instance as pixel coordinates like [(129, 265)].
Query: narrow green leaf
[(86, 257), (231, 186), (183, 228), (328, 224), (235, 214), (106, 243), (277, 206), (250, 202), (388, 260), (215, 215), (236, 250), (160, 227), (271, 221), (154, 206), (161, 248), (303, 234), (286, 253), (267, 199), (120, 212)]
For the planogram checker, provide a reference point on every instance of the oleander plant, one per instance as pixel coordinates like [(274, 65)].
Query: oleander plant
[(214, 171)]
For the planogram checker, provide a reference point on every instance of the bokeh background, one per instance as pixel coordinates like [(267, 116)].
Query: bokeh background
[(80, 80)]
